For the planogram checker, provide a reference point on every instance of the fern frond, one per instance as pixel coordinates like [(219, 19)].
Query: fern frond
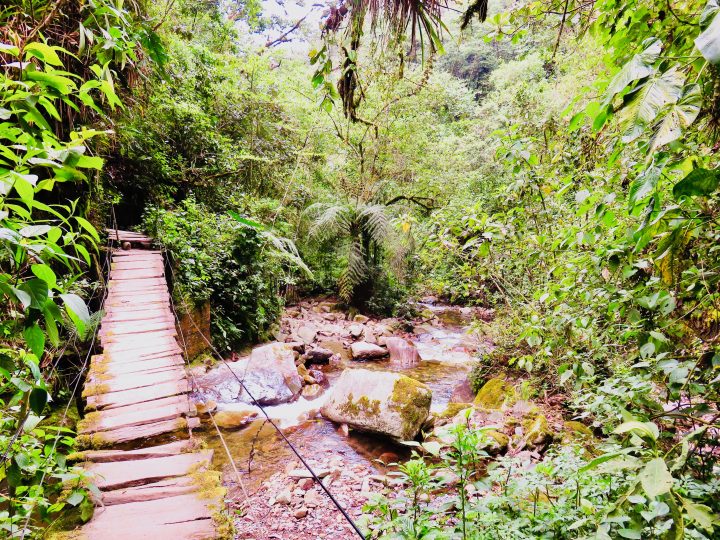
[(329, 219), (376, 222)]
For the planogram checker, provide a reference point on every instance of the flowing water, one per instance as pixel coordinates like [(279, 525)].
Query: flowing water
[(446, 350)]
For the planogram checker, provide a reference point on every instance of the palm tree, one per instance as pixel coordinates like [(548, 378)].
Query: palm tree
[(363, 232)]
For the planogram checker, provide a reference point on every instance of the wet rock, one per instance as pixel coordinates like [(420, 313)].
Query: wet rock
[(362, 350), (362, 319), (494, 394), (388, 457), (318, 355), (391, 404), (402, 352), (312, 391), (307, 333), (207, 407), (297, 346), (269, 374), (462, 393), (234, 419), (497, 442), (337, 347), (344, 430)]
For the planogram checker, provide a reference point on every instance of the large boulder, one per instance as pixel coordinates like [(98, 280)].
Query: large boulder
[(402, 352), (269, 374), (307, 333), (361, 350), (391, 404)]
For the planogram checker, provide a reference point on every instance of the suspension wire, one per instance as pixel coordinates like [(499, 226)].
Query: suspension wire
[(79, 378), (212, 418), (273, 424)]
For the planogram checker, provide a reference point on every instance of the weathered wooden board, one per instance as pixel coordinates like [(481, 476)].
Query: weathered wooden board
[(169, 487), (162, 450), (137, 395), (122, 417), (139, 434)]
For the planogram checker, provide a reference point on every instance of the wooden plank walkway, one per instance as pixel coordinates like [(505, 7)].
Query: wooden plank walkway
[(154, 483)]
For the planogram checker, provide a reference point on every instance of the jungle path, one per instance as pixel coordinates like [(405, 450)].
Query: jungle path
[(153, 484)]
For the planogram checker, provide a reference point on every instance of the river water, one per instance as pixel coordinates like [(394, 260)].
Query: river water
[(446, 349)]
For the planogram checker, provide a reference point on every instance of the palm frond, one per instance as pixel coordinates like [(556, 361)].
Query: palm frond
[(328, 219), (375, 221), (286, 250), (355, 272)]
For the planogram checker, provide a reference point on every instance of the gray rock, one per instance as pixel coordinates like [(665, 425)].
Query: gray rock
[(379, 402), (319, 355), (307, 333), (269, 374)]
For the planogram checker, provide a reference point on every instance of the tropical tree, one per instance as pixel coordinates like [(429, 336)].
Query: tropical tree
[(362, 231)]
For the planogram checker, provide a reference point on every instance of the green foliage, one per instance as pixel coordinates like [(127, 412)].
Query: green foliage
[(229, 261)]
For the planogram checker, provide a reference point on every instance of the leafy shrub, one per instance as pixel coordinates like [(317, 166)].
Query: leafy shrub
[(234, 264)]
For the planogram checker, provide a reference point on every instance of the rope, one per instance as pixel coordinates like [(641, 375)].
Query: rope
[(220, 435), (267, 416)]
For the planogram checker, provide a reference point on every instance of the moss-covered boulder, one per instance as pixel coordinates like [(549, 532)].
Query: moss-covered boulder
[(494, 394), (387, 403), (537, 430)]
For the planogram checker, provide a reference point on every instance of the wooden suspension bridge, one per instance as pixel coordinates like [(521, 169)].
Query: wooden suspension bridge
[(154, 482)]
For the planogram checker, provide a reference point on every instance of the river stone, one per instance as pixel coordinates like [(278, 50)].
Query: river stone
[(312, 391), (356, 330), (391, 404), (234, 419), (362, 350), (362, 319), (402, 352), (307, 333), (318, 355), (269, 374)]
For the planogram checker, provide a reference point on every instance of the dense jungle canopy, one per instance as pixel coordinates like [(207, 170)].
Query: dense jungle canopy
[(553, 165)]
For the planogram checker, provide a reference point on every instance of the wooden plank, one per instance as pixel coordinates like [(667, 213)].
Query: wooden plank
[(169, 487), (161, 450), (118, 475), (107, 385), (106, 439), (157, 411), (108, 367), (137, 395), (183, 517), (132, 356)]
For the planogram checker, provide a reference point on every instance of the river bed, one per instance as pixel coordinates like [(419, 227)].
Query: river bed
[(447, 350)]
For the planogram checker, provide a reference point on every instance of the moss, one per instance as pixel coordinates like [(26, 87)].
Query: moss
[(578, 428), (494, 394), (453, 409), (95, 389), (499, 441), (537, 431), (411, 399), (364, 405), (88, 423), (94, 441)]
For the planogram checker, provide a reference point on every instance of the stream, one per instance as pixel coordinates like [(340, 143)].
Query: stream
[(446, 350)]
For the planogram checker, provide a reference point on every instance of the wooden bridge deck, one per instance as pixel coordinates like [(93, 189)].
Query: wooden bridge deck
[(154, 484)]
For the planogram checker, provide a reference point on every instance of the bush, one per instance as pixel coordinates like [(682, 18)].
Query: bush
[(232, 265)]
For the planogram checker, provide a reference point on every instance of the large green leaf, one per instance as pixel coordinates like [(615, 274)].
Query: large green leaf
[(678, 118), (35, 339), (77, 311), (708, 43), (699, 183), (38, 400), (639, 67), (646, 102), (656, 478), (645, 184)]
